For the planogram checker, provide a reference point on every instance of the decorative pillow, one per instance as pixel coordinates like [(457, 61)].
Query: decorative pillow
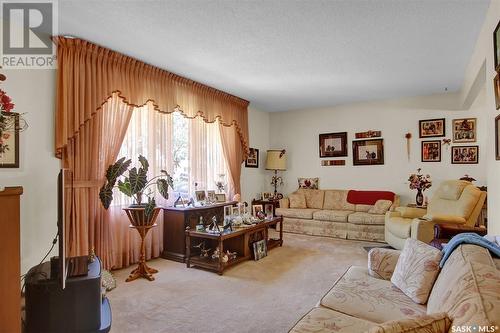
[(417, 269), (310, 183), (380, 207), (297, 200), (432, 323)]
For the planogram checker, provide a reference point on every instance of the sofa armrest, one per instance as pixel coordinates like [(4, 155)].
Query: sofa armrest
[(423, 230), (411, 212), (382, 262), (448, 230), (445, 219), (284, 203)]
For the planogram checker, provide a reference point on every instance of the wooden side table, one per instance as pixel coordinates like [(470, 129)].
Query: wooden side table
[(142, 270)]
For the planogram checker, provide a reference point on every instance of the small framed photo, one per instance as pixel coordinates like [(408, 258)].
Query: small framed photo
[(259, 249), (235, 210), (464, 154), (252, 160), (432, 128), (220, 197), (9, 144), (431, 151), (497, 138), (256, 209), (496, 86), (464, 130), (269, 210), (333, 144), (211, 195), (368, 152), (266, 195), (200, 196), (228, 211), (496, 47)]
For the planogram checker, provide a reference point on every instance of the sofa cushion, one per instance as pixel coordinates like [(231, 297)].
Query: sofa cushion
[(366, 218), (337, 200), (363, 208), (304, 213), (332, 215), (315, 227), (467, 288), (417, 269), (381, 207), (358, 294), (325, 320), (314, 198), (399, 226), (368, 197), (382, 262), (297, 200), (434, 323)]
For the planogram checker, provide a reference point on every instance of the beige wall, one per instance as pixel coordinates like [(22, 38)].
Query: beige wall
[(298, 132)]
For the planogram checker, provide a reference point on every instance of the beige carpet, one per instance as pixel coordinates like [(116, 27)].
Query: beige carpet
[(269, 295)]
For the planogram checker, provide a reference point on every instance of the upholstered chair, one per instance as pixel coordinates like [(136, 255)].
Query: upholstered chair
[(455, 201)]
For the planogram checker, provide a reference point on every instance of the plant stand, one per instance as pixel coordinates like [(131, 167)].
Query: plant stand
[(142, 270)]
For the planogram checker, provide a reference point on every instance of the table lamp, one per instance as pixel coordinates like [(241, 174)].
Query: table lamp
[(276, 160)]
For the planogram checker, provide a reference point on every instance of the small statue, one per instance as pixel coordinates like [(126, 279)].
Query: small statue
[(92, 255), (214, 227), (203, 250)]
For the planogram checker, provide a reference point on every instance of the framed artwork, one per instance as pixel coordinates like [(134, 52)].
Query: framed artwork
[(211, 195), (333, 144), (497, 138), (464, 154), (9, 147), (259, 249), (266, 195), (269, 210), (220, 197), (431, 151), (432, 128), (464, 130), (235, 211), (496, 86), (200, 195), (368, 152), (368, 134), (256, 209), (228, 211), (252, 160), (496, 46)]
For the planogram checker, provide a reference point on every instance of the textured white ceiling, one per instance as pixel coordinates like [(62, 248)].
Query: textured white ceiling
[(282, 55)]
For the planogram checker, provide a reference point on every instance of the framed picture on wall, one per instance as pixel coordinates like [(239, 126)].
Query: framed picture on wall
[(496, 86), (496, 47), (464, 130), (252, 160), (333, 144), (432, 128), (497, 137), (431, 151), (9, 145), (464, 154), (368, 152)]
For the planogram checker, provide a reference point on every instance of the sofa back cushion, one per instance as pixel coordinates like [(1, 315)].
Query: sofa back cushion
[(369, 197), (380, 207), (297, 200), (467, 288), (457, 198), (337, 200), (314, 198)]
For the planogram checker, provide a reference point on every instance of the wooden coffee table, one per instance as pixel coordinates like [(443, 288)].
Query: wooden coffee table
[(240, 240)]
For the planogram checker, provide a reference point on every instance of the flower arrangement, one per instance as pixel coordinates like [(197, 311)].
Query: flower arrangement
[(419, 182)]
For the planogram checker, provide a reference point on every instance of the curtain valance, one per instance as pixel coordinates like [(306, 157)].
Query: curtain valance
[(89, 74)]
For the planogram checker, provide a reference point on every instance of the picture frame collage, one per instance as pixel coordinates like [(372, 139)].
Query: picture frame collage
[(464, 130)]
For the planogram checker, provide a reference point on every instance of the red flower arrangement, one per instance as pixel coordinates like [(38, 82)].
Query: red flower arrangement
[(6, 104)]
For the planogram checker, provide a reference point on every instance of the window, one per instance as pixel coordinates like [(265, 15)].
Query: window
[(189, 149)]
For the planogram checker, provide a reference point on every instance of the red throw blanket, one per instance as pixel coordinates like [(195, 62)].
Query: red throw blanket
[(368, 197)]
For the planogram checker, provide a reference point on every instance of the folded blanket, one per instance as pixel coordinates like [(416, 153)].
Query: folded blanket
[(468, 238)]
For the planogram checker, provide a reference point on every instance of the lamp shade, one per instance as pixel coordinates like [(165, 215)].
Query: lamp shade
[(276, 160)]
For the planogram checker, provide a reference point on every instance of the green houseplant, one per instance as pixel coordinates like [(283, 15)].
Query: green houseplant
[(136, 185)]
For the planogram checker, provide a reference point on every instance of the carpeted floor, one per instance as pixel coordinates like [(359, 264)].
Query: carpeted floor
[(269, 295)]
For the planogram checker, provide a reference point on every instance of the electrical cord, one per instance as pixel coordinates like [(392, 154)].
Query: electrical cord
[(54, 241)]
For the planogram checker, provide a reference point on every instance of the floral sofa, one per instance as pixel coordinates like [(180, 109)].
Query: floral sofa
[(466, 293), (348, 214)]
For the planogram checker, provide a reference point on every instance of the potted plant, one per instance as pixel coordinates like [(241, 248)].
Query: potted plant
[(420, 183), (136, 186)]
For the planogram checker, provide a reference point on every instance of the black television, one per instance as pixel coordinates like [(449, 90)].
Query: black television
[(64, 196)]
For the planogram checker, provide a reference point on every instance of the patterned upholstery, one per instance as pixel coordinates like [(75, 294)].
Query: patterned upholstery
[(332, 215), (372, 233), (358, 294), (337, 200), (328, 321), (315, 227), (435, 323), (366, 218), (314, 198), (382, 262), (299, 213)]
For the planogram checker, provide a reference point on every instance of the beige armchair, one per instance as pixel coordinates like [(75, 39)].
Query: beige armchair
[(455, 201)]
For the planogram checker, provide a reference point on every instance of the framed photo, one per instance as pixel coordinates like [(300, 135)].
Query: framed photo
[(333, 144), (200, 195), (432, 128), (9, 146), (228, 211), (368, 134), (256, 209), (497, 138), (220, 197), (496, 47), (235, 210), (259, 249), (269, 210), (252, 160), (464, 154), (368, 152), (266, 195), (431, 151), (211, 195), (496, 87), (464, 130)]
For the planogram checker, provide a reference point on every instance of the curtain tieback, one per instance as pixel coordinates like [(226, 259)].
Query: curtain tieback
[(88, 183)]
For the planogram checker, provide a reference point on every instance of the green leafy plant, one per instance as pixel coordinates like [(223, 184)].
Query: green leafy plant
[(135, 184)]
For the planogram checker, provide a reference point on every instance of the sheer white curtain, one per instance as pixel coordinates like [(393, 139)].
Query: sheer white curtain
[(189, 149)]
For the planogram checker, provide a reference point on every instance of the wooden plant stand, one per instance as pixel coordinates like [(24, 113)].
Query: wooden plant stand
[(142, 270)]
